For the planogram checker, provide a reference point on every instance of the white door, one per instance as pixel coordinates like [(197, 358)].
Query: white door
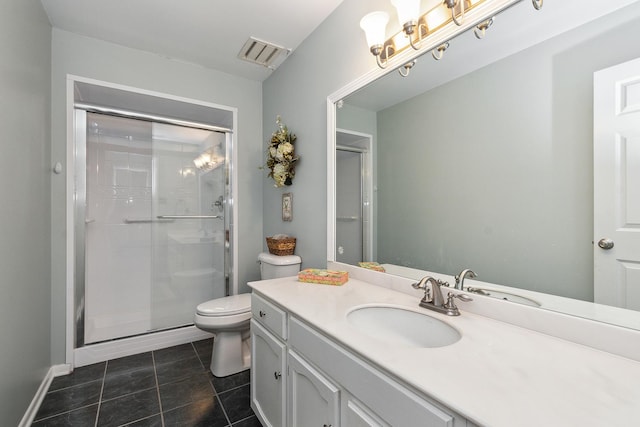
[(617, 185)]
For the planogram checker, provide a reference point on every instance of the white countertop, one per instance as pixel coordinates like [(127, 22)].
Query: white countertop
[(496, 375)]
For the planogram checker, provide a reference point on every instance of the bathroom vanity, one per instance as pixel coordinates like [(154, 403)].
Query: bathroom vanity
[(315, 362)]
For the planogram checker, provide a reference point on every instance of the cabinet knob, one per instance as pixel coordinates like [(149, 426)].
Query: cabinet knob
[(277, 375), (262, 313)]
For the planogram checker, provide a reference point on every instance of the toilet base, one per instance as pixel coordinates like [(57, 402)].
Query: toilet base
[(231, 353)]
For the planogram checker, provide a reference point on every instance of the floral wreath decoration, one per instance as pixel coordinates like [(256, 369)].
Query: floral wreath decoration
[(281, 156)]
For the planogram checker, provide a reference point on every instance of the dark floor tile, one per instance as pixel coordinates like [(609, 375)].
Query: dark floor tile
[(206, 412), (222, 384), (129, 363), (79, 376), (248, 422), (129, 408), (191, 389), (175, 371), (154, 421), (78, 418), (128, 382), (177, 352), (70, 398), (237, 403)]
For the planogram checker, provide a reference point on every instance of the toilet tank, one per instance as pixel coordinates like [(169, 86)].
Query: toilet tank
[(274, 266)]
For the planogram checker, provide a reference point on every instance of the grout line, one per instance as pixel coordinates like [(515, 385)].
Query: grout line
[(244, 419), (198, 355), (224, 411), (155, 375), (104, 375), (128, 394), (63, 413), (216, 396)]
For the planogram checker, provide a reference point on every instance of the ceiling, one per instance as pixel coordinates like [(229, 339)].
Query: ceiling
[(210, 33)]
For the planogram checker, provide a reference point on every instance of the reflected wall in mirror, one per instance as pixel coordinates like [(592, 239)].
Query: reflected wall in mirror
[(493, 169)]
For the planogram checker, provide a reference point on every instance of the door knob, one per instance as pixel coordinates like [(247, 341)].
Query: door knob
[(605, 244)]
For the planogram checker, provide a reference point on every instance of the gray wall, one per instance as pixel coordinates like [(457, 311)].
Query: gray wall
[(25, 293), (331, 57), (91, 58), (495, 172)]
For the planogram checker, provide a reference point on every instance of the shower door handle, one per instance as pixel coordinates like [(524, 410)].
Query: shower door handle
[(189, 217)]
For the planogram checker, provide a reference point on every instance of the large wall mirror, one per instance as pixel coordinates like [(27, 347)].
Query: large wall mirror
[(484, 159)]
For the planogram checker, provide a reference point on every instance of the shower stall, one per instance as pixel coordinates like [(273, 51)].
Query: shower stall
[(152, 222)]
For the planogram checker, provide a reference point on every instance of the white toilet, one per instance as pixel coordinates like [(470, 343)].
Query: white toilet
[(228, 318)]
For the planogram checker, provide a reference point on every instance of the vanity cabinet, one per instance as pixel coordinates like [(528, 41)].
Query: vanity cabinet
[(300, 377)]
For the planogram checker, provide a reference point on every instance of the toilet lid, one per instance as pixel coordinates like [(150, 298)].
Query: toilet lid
[(234, 304)]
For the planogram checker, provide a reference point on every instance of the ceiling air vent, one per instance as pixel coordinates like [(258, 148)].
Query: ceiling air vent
[(263, 53)]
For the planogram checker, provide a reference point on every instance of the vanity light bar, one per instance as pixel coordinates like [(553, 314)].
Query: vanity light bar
[(439, 25)]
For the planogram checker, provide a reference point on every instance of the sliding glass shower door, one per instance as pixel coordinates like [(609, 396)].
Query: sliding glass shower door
[(154, 224)]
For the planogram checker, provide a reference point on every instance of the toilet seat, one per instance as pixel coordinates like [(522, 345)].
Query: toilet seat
[(227, 306)]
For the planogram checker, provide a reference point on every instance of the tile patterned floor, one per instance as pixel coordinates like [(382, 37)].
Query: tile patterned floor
[(168, 387)]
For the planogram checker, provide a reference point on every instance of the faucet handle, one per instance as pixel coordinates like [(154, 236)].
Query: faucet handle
[(450, 304), (422, 284)]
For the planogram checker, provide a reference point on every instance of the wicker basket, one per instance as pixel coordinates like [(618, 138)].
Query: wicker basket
[(281, 247)]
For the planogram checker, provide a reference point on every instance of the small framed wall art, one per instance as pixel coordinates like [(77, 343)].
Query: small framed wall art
[(287, 207)]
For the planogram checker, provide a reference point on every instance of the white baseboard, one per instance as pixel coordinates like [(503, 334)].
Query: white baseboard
[(32, 410), (111, 350), (95, 353)]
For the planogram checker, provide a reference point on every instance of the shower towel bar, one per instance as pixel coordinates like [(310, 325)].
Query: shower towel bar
[(189, 217), (347, 218), (144, 220)]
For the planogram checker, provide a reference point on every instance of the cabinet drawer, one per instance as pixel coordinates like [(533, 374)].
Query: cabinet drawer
[(268, 315)]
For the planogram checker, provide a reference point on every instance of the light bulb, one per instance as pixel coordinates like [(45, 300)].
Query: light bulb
[(374, 25), (408, 11)]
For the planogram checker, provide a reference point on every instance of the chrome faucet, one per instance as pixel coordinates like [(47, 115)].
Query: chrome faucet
[(464, 274), (433, 298)]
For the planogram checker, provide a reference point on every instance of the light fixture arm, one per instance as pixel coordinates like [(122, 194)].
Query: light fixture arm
[(407, 68), (416, 45), (376, 50), (537, 4), (438, 52), (481, 28), (380, 63), (451, 4)]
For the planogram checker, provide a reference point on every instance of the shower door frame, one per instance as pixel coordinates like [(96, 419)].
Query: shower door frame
[(80, 356)]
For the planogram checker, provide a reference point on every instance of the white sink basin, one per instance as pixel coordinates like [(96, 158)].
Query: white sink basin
[(398, 326)]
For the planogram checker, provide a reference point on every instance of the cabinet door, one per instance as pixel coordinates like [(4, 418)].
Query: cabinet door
[(355, 414), (268, 387), (313, 400)]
